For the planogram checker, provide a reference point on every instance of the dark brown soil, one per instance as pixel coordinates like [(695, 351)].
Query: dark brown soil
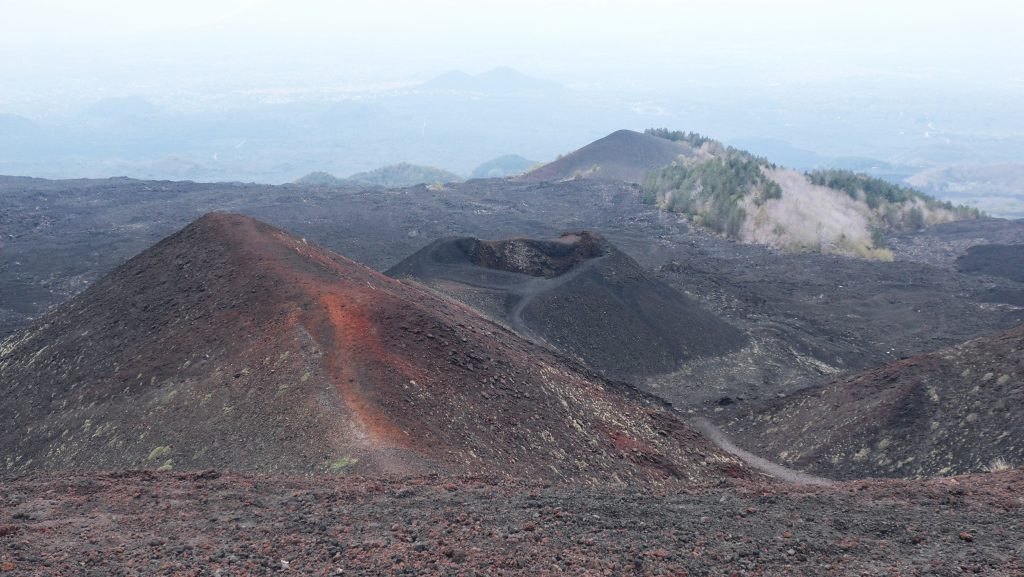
[(100, 524), (580, 295), (622, 156), (951, 412), (232, 344)]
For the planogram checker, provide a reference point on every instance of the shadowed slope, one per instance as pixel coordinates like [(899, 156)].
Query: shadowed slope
[(579, 294), (998, 260), (234, 345), (945, 413), (623, 155)]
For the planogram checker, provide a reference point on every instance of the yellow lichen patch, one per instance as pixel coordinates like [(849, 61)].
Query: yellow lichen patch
[(159, 452), (1003, 379), (862, 454)]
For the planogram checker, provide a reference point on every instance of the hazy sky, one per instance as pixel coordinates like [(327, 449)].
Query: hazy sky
[(110, 47)]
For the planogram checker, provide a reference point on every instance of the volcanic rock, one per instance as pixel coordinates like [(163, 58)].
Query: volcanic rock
[(945, 413), (623, 155), (579, 294), (999, 260), (233, 345)]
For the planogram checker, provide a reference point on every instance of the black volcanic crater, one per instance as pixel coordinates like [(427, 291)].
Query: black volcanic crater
[(580, 295)]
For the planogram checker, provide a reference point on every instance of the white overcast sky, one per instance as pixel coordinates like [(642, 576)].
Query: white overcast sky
[(126, 44)]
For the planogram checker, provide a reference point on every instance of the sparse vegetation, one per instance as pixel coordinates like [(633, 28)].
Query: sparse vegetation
[(711, 192), (341, 464), (881, 195), (694, 139), (159, 452), (509, 165), (392, 176), (730, 191), (998, 465), (320, 178), (404, 174)]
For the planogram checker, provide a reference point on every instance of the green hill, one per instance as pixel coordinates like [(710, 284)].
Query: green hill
[(503, 166), (404, 174), (320, 178), (745, 197)]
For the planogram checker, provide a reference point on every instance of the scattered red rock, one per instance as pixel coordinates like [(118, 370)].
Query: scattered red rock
[(79, 523)]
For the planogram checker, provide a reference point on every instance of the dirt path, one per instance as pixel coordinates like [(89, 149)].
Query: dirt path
[(528, 290), (521, 288), (765, 466)]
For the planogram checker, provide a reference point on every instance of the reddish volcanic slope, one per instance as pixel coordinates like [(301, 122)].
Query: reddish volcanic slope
[(232, 344), (951, 412)]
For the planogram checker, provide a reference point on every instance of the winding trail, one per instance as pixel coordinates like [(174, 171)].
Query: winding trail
[(520, 287), (716, 436), (529, 289)]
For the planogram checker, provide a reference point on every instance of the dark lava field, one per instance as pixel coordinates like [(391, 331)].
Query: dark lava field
[(807, 316)]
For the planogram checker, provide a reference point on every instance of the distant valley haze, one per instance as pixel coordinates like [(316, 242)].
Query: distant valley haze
[(925, 93)]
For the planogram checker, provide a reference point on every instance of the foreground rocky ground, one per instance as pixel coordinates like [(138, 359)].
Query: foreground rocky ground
[(145, 523)]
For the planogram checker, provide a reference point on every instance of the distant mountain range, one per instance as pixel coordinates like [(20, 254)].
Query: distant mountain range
[(406, 174)]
